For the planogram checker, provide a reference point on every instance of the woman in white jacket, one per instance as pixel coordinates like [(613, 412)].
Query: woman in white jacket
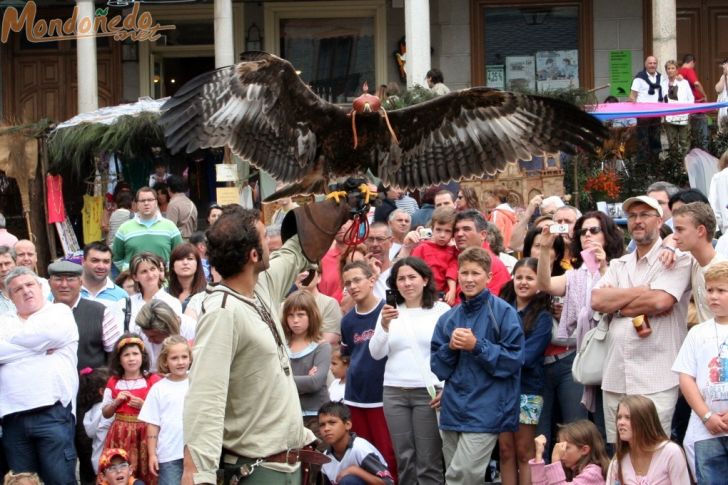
[(411, 391)]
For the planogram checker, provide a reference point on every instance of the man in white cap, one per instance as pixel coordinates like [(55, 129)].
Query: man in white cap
[(639, 285)]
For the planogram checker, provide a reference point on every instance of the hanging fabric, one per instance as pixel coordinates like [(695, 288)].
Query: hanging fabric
[(92, 212), (56, 209)]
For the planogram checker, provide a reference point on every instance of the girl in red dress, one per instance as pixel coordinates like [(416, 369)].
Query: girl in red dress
[(124, 396)]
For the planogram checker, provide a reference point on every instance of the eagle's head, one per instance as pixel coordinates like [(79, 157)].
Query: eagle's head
[(366, 103)]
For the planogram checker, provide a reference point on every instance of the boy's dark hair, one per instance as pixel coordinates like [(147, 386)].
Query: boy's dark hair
[(115, 367), (338, 409), (124, 199), (99, 246), (358, 264), (687, 196), (89, 384), (231, 238), (435, 75), (198, 237), (176, 184)]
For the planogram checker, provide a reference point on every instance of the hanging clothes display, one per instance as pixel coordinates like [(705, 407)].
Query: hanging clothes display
[(92, 212), (54, 189)]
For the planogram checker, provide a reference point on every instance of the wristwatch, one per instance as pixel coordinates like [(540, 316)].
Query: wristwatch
[(707, 416)]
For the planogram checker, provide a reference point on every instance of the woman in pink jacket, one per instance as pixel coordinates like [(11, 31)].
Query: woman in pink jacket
[(580, 456)]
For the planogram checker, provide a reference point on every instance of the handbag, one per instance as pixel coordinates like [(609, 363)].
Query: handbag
[(589, 361)]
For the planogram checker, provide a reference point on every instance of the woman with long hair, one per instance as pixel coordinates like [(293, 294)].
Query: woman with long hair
[(411, 391), (597, 238), (467, 199), (644, 453), (186, 274), (533, 308)]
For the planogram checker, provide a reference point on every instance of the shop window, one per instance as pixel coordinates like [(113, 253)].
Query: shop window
[(336, 46), (335, 56), (533, 46)]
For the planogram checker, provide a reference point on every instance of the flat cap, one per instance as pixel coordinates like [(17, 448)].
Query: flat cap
[(64, 267)]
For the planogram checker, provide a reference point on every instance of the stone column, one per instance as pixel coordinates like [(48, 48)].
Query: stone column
[(664, 32), (224, 48), (417, 32), (86, 66)]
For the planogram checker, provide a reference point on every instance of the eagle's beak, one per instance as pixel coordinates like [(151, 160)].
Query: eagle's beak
[(367, 108)]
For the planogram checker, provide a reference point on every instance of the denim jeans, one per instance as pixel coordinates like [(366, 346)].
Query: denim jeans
[(351, 480), (560, 393), (711, 461), (170, 472), (42, 442)]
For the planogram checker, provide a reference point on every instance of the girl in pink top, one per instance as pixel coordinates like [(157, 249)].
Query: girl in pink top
[(580, 455), (645, 455)]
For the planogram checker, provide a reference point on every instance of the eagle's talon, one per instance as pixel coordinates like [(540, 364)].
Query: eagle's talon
[(336, 194), (367, 192)]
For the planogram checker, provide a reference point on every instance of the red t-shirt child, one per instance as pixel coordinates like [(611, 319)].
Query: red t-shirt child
[(443, 260)]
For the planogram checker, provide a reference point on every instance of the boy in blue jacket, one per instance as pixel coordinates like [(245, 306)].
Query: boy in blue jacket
[(477, 349)]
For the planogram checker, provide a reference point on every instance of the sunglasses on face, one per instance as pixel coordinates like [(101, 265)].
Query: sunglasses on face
[(593, 230)]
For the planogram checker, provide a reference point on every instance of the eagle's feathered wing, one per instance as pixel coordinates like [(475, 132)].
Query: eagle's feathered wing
[(268, 116), (260, 108), (477, 131)]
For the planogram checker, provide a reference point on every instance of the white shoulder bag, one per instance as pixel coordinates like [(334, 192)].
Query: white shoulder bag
[(588, 364)]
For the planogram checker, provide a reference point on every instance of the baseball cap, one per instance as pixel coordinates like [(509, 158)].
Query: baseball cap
[(642, 199), (108, 455)]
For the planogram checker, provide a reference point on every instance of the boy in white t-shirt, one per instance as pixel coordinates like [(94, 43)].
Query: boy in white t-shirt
[(703, 367), (354, 461)]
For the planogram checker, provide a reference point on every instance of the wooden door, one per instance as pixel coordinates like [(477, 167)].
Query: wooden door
[(39, 80), (702, 30)]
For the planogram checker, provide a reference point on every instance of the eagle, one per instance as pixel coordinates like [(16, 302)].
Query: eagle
[(267, 115)]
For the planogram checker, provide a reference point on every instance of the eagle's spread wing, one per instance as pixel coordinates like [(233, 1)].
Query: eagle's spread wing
[(477, 131), (260, 108)]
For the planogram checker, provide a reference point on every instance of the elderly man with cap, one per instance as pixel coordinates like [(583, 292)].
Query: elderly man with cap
[(639, 292), (39, 382), (98, 332), (97, 326)]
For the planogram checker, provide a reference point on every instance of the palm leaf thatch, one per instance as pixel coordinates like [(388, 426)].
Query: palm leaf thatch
[(130, 137)]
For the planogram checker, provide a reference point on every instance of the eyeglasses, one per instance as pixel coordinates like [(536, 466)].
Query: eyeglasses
[(380, 240), (642, 215), (118, 467), (593, 230), (144, 201)]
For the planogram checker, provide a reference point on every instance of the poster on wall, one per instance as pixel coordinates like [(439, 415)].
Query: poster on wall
[(620, 73), (557, 69), (520, 73), (495, 76)]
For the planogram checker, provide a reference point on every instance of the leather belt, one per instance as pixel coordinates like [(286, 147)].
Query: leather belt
[(551, 359), (291, 457)]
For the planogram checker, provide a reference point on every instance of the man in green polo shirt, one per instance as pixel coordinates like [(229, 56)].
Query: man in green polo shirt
[(146, 231)]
